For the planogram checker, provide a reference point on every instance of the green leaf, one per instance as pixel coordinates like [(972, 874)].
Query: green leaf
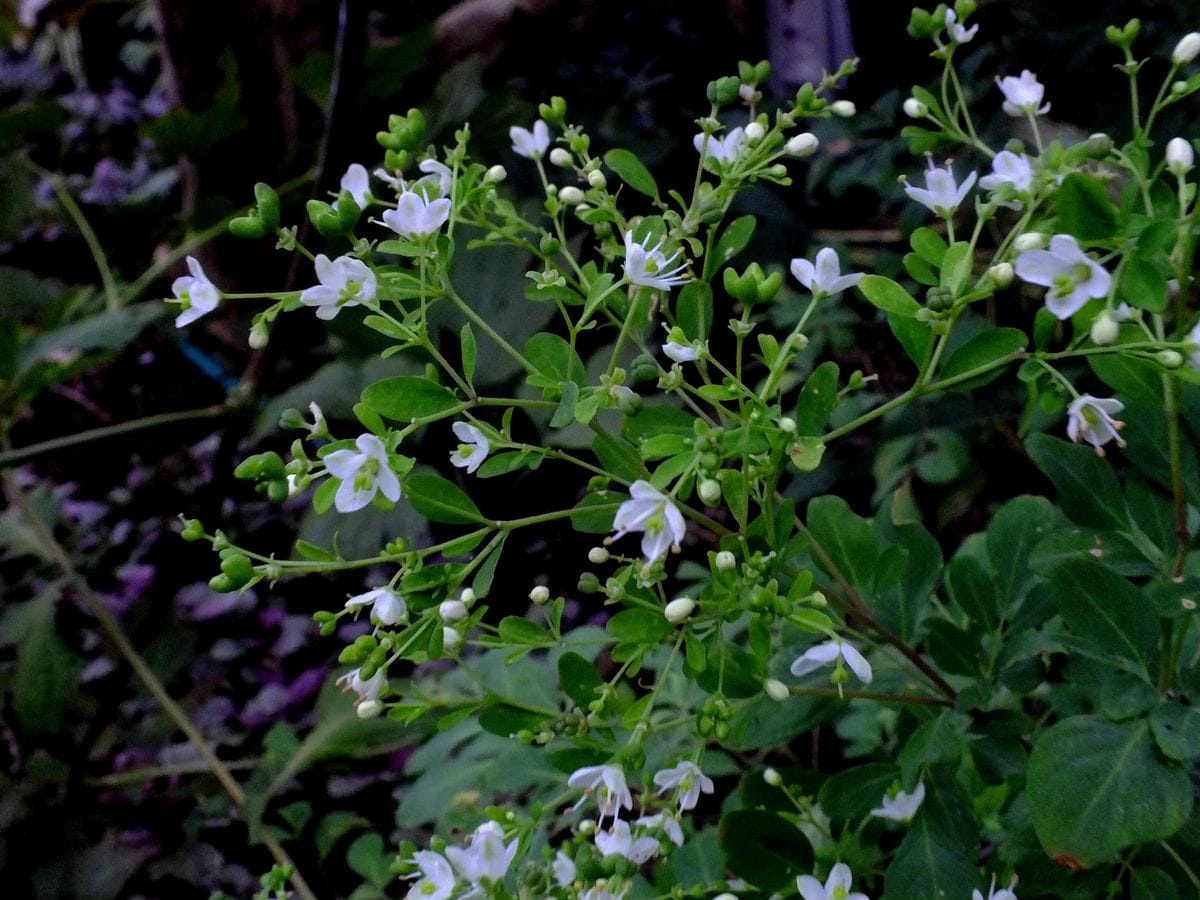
[(983, 348), (332, 827), (1105, 610), (889, 296), (439, 500), (764, 848), (937, 856), (956, 267), (763, 722), (595, 512), (1087, 488), (368, 858), (914, 336), (733, 241), (694, 310), (482, 583), (631, 171), (469, 350), (1096, 787), (1015, 529), (505, 720), (578, 678), (1177, 730), (846, 538), (521, 631), (818, 399), (403, 398), (554, 358), (974, 589), (639, 626), (736, 493), (1084, 209), (929, 245), (45, 671), (935, 741), (854, 792)]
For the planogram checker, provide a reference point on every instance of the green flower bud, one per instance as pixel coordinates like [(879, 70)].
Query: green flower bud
[(710, 491), (249, 227), (723, 91), (193, 530), (268, 205)]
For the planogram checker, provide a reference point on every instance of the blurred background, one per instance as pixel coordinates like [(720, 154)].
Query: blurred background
[(130, 133)]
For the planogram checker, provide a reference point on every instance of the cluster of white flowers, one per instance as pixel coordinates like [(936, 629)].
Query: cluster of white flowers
[(464, 872)]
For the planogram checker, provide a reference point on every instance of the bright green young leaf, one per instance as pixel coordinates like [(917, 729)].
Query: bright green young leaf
[(553, 357), (914, 336), (694, 310), (441, 501), (469, 350), (889, 296), (520, 631), (639, 626), (956, 267), (631, 171), (929, 245), (733, 241), (403, 398), (818, 398)]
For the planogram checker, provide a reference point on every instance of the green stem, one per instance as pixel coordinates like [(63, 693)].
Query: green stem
[(112, 295), (918, 699), (482, 325)]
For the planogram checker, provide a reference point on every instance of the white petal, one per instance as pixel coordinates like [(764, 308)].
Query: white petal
[(1040, 267), (804, 272), (810, 888), (827, 268), (857, 662), (343, 463), (840, 876), (349, 499)]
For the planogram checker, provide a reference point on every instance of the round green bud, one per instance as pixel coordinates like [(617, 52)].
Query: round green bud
[(710, 491), (193, 530)]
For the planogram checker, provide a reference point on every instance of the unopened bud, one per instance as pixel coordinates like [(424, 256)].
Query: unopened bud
[(755, 132), (777, 690), (1169, 359), (1104, 328), (495, 175), (1030, 240), (560, 156), (450, 638), (1180, 157), (1099, 145), (843, 108), (787, 425), (597, 180), (369, 709), (570, 196), (915, 109), (452, 610), (725, 561), (598, 555), (1002, 274), (709, 491), (1187, 49), (679, 609), (540, 594), (260, 336), (802, 145), (772, 777), (467, 597), (586, 827)]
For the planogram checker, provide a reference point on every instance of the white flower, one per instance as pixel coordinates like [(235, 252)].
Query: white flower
[(367, 689), (830, 652), (837, 886), (531, 145), (414, 216), (485, 858), (472, 451), (1072, 276), (358, 183), (196, 294), (1180, 157), (1023, 95), (843, 108), (688, 779), (903, 806), (388, 178), (1011, 169), (941, 194), (437, 173), (345, 281), (825, 278), (619, 840), (1187, 49), (1194, 337), (387, 606), (993, 894), (724, 150), (667, 823), (606, 784), (680, 353), (651, 512), (362, 474), (1091, 419), (647, 267), (437, 878), (563, 868), (959, 33)]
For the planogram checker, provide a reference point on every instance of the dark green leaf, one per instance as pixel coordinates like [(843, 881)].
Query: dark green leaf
[(403, 398), (764, 848), (694, 310), (1177, 730), (1084, 209), (937, 856), (1104, 609), (983, 348), (1087, 488), (519, 630), (578, 678), (818, 398), (441, 501)]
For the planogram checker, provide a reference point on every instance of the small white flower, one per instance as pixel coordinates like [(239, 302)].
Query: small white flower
[(724, 150), (1011, 169), (836, 887), (1072, 276), (648, 267), (1180, 156), (667, 823), (486, 858), (1091, 419), (530, 144), (389, 178), (824, 279), (362, 474), (941, 194), (823, 654), (687, 778), (196, 294), (415, 217), (472, 451), (437, 878), (1187, 49), (680, 353), (958, 32), (606, 785), (358, 183), (651, 512), (344, 281), (993, 894), (1023, 95), (387, 606), (901, 807), (367, 689), (619, 840), (563, 868), (437, 173)]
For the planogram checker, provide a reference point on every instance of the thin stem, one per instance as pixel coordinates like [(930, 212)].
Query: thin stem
[(1191, 876), (112, 295), (482, 325), (919, 699)]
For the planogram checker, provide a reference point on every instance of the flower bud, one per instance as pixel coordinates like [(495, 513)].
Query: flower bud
[(843, 108), (679, 609), (773, 778), (1178, 87), (1099, 145), (540, 594), (1180, 157), (1169, 359), (787, 425), (725, 561), (1104, 328), (369, 709), (1002, 274), (452, 610), (776, 689), (450, 638), (802, 145), (915, 109), (598, 555), (1029, 240), (710, 491), (570, 196), (467, 597), (586, 827), (561, 156), (260, 336), (755, 132), (495, 175), (1187, 49), (726, 896), (597, 180)]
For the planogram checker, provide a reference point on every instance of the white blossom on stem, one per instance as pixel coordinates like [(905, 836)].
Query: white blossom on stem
[(680, 353), (473, 450), (485, 859), (358, 183), (619, 840), (436, 881), (667, 823), (651, 267), (415, 216), (724, 149), (366, 688), (197, 295), (345, 281), (836, 887), (1072, 276), (363, 474), (901, 806), (993, 894), (1008, 168), (941, 194), (824, 278), (606, 785), (958, 32), (830, 652), (387, 607), (1091, 419), (688, 779), (563, 868), (1023, 95), (651, 512), (530, 144)]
